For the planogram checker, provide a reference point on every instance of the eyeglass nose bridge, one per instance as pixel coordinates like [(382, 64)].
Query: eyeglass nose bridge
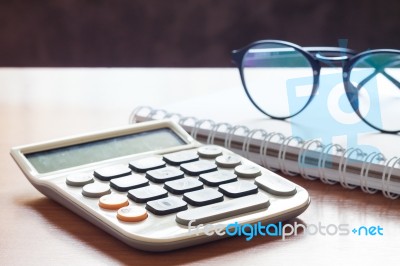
[(323, 58)]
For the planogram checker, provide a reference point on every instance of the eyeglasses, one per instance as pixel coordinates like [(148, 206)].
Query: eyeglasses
[(371, 79)]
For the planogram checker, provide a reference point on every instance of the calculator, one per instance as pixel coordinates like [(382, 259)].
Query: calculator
[(150, 184)]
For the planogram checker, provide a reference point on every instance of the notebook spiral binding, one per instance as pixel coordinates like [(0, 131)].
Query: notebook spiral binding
[(194, 125)]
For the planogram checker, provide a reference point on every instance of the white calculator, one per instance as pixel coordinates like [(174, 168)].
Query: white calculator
[(150, 184)]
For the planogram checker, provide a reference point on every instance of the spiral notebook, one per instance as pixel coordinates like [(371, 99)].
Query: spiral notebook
[(292, 155)]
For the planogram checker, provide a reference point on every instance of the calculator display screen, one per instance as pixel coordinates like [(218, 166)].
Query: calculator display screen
[(95, 151)]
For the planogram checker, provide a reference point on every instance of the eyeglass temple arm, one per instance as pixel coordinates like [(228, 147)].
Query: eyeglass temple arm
[(381, 70)]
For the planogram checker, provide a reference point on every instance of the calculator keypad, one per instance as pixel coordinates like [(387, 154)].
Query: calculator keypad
[(198, 168), (113, 201), (209, 151), (228, 161), (110, 172), (145, 194), (275, 185), (166, 205), (203, 197), (95, 190), (247, 171), (126, 183), (238, 189), (164, 174), (180, 157), (132, 214), (79, 179), (214, 179), (206, 183), (183, 185), (225, 209), (146, 164)]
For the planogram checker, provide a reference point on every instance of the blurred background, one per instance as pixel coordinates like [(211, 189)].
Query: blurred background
[(178, 33)]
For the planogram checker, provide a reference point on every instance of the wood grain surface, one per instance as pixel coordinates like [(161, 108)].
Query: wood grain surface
[(35, 230)]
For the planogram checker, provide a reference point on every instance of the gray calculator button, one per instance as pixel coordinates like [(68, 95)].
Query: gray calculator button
[(126, 183), (203, 197), (146, 164), (238, 189), (222, 210), (214, 179), (166, 205), (183, 185), (110, 172), (180, 157), (95, 190), (148, 193), (79, 179), (247, 171), (228, 161), (210, 151), (198, 168), (275, 185), (164, 174)]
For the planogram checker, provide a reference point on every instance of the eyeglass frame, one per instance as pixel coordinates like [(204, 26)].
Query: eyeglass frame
[(348, 58)]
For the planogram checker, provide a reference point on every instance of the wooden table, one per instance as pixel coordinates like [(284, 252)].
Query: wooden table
[(40, 104)]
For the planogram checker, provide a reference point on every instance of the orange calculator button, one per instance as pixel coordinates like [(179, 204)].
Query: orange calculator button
[(132, 214), (113, 201)]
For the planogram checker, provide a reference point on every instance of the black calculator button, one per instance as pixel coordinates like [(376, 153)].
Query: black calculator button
[(183, 185), (126, 183), (180, 157), (166, 205), (214, 179), (238, 189), (110, 172), (146, 164), (198, 168), (203, 197), (164, 174), (222, 210), (148, 193)]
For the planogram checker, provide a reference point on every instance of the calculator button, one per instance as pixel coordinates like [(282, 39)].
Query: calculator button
[(238, 189), (214, 179), (145, 194), (203, 197), (210, 151), (164, 174), (95, 190), (275, 185), (180, 157), (146, 164), (183, 185), (228, 161), (166, 205), (222, 210), (113, 201), (198, 168), (110, 172), (126, 183), (248, 171), (79, 179), (132, 214)]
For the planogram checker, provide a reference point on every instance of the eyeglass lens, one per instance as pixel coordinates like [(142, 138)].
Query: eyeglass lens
[(267, 68), (375, 78)]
